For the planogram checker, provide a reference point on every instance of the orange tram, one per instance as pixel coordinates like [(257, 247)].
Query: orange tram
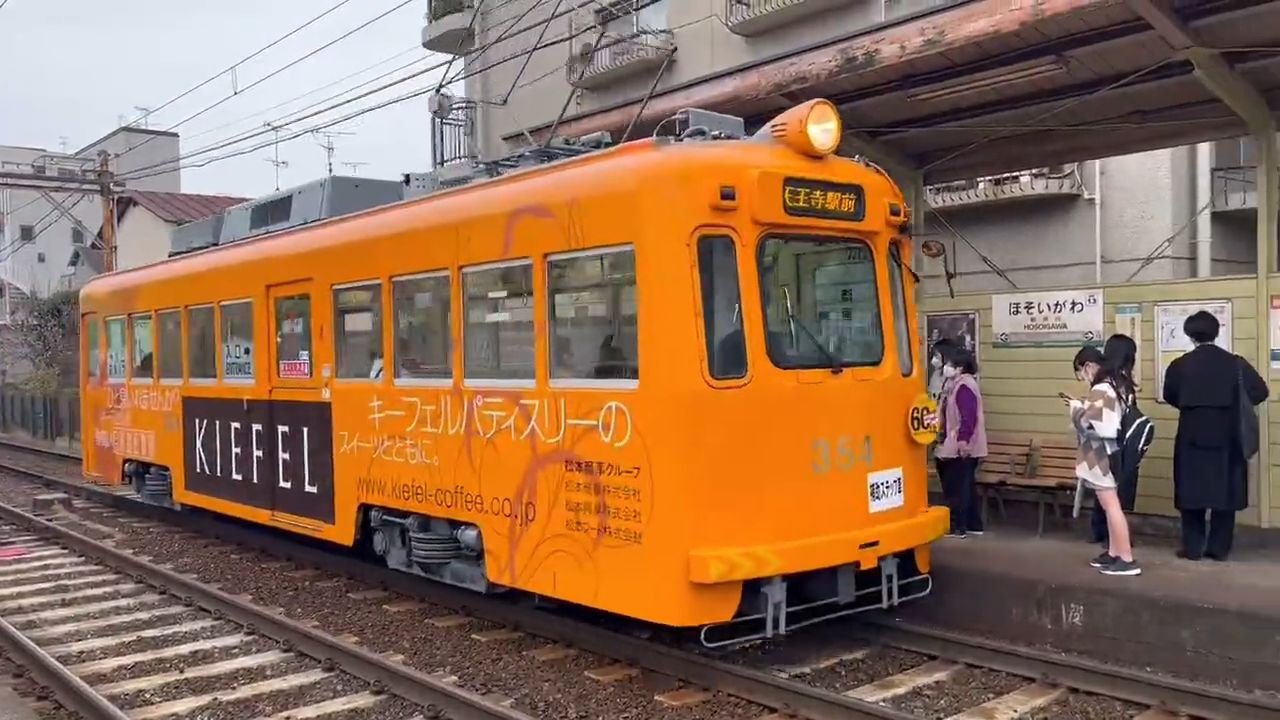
[(454, 381)]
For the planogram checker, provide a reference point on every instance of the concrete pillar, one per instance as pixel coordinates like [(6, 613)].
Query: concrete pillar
[(1268, 202), (1203, 227)]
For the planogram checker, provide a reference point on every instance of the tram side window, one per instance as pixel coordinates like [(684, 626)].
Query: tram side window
[(202, 344), (93, 354), (237, 340), (143, 351), (169, 337), (293, 337), (116, 349), (898, 293), (592, 307), (357, 322), (498, 322), (722, 307), (423, 331)]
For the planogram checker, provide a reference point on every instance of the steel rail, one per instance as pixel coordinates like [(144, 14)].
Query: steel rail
[(382, 673), (745, 683), (71, 692), (764, 688), (1080, 673)]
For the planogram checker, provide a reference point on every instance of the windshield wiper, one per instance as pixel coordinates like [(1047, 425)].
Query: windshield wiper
[(836, 367), (896, 253)]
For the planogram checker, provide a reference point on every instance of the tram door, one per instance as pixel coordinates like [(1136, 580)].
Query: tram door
[(301, 415)]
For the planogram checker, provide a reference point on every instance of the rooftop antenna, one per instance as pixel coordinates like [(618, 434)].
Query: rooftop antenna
[(146, 113), (62, 143), (354, 165), (328, 145)]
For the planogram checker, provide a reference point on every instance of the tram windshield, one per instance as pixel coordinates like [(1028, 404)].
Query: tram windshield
[(820, 303)]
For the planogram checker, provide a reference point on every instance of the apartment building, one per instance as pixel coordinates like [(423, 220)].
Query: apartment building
[(1171, 213), (39, 230)]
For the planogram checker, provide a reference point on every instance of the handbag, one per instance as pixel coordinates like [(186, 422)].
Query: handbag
[(1248, 417)]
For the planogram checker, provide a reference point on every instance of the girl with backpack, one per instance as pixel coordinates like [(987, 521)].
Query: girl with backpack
[(1097, 420)]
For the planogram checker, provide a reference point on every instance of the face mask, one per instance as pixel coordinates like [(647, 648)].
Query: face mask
[(936, 362), (949, 372)]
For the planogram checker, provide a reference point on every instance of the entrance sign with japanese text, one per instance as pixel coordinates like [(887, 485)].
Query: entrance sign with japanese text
[(1055, 317)]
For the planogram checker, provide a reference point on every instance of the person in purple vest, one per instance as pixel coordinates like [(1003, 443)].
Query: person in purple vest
[(963, 441)]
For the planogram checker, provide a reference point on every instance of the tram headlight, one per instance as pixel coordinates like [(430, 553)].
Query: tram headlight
[(813, 128), (823, 126)]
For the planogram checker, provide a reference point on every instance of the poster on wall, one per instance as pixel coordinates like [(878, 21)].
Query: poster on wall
[(1045, 319), (959, 326), (1129, 322), (1275, 332), (1172, 342)]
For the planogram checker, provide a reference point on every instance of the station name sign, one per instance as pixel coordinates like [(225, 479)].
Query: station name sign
[(825, 200)]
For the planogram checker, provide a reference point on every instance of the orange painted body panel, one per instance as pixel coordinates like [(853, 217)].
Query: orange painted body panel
[(654, 501)]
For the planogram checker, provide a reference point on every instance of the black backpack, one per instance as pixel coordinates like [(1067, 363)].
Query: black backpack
[(1137, 432)]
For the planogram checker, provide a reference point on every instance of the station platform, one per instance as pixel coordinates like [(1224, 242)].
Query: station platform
[(1202, 620)]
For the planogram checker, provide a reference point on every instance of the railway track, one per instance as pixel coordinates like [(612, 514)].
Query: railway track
[(117, 637), (922, 673)]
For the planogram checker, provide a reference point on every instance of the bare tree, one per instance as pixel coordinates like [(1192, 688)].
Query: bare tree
[(46, 337)]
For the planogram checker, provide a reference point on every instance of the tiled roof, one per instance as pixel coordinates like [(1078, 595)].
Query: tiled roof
[(181, 208)]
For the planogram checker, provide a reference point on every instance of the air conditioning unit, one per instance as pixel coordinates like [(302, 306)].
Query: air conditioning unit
[(440, 104)]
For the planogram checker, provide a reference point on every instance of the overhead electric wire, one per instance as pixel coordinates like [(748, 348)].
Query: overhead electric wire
[(142, 172), (234, 140), (240, 62), (326, 86), (273, 73), (286, 119), (14, 246)]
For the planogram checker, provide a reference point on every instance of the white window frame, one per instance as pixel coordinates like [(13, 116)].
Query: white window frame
[(182, 344), (511, 383), (106, 321), (133, 380), (186, 342), (423, 382), (588, 383), (355, 284), (217, 321)]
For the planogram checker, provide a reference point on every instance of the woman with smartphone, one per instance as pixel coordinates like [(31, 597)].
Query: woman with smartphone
[(1096, 419)]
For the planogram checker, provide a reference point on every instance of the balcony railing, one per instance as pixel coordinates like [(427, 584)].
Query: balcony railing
[(619, 56), (453, 137), (450, 26), (754, 17), (1034, 183), (1235, 188)]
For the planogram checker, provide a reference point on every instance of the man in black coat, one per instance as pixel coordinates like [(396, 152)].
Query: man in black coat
[(1210, 470)]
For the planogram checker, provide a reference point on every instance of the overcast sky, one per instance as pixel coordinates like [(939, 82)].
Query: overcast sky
[(73, 67)]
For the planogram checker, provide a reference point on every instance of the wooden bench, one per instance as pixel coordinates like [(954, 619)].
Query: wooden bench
[(1036, 468)]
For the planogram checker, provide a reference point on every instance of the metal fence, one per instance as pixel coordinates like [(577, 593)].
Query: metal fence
[(45, 418)]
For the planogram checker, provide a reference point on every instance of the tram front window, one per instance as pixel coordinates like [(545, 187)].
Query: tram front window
[(820, 302)]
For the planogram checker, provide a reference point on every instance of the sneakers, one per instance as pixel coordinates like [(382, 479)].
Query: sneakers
[(1122, 567), (976, 532), (955, 535), (1103, 560)]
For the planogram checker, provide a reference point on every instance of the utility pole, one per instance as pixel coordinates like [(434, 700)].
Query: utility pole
[(277, 162), (108, 212), (102, 183), (328, 145)]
